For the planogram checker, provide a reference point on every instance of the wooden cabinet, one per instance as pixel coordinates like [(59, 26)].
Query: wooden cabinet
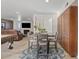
[(67, 30)]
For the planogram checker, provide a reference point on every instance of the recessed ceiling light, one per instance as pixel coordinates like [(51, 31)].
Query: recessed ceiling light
[(47, 1), (17, 12)]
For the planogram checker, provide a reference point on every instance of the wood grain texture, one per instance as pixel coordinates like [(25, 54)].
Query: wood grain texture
[(67, 30)]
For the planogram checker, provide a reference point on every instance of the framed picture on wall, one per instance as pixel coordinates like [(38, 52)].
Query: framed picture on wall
[(3, 25)]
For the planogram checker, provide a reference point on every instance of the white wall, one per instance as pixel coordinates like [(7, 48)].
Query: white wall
[(54, 24), (18, 26), (49, 22)]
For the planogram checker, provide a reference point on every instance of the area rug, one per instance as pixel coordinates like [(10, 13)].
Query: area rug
[(32, 54)]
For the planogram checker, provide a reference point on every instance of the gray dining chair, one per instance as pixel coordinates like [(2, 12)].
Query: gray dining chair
[(53, 41), (32, 41), (42, 39)]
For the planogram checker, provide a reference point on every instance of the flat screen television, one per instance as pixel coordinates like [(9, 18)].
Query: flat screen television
[(26, 25)]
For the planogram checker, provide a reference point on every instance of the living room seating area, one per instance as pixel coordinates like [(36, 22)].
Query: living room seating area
[(18, 34)]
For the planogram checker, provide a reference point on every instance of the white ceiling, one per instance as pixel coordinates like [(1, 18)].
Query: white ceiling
[(27, 8)]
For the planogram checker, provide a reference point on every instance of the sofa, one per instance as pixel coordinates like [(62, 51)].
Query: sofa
[(18, 34)]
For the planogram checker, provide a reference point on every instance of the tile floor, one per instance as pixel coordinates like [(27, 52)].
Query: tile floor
[(16, 52)]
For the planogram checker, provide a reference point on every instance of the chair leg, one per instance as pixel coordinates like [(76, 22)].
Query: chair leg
[(56, 46), (48, 48)]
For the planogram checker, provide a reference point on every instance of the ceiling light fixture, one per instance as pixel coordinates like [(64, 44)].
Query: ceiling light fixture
[(47, 1)]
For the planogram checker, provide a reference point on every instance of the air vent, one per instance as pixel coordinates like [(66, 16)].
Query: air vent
[(66, 4)]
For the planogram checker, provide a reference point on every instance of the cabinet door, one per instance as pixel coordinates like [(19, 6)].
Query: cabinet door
[(66, 29), (63, 30), (60, 30), (73, 30)]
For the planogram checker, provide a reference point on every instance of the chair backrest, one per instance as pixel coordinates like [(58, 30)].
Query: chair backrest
[(42, 36)]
